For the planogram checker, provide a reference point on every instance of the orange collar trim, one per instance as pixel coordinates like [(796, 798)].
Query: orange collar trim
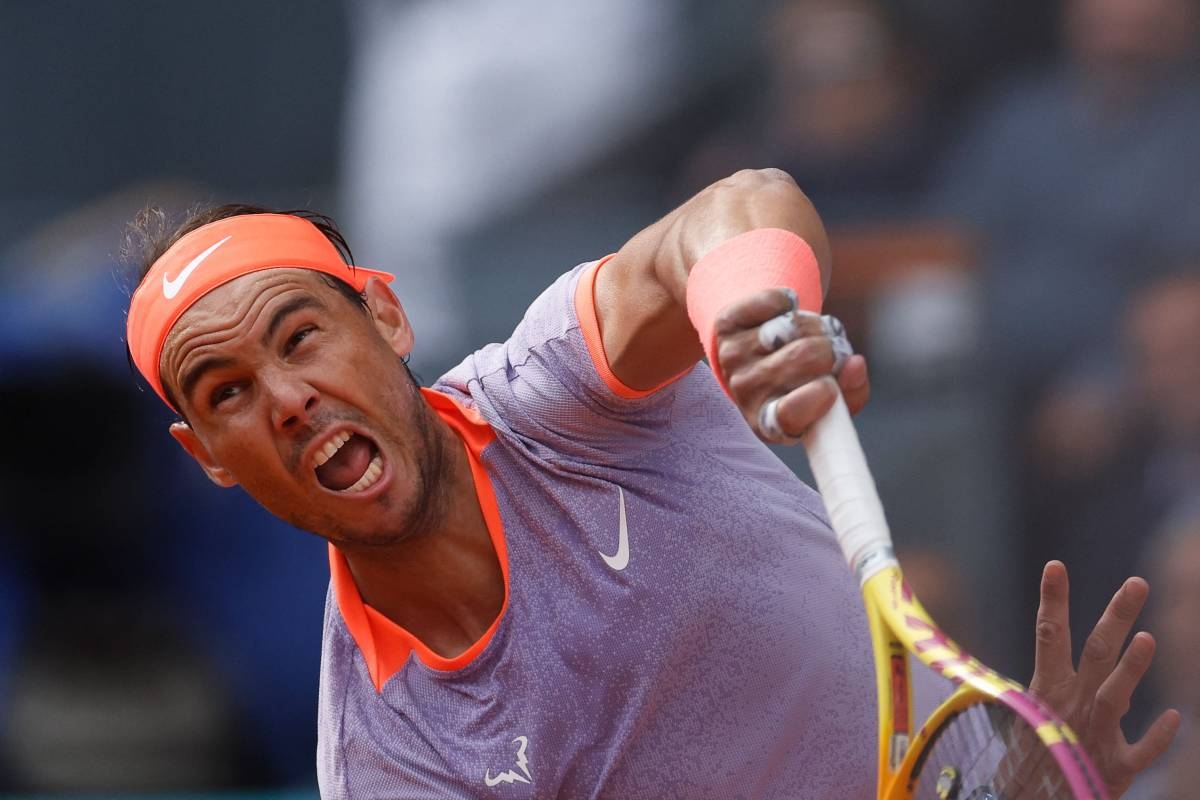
[(386, 646)]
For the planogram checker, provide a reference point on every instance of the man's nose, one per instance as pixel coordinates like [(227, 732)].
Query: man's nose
[(293, 400)]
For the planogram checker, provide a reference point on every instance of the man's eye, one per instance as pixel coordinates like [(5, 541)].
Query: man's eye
[(299, 336), (223, 393)]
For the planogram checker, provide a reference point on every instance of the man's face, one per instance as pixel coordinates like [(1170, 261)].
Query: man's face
[(300, 396)]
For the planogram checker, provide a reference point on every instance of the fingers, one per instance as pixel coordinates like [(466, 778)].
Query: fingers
[(1112, 698), (798, 347), (855, 383), (741, 348), (754, 310), (777, 360), (1103, 646), (786, 392), (1154, 743), (1052, 651), (1095, 698), (1112, 703), (836, 333), (784, 418), (778, 331), (774, 374)]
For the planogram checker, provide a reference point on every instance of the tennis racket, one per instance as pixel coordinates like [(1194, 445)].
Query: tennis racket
[(991, 739)]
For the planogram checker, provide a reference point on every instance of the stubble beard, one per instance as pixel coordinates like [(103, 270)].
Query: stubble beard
[(428, 500)]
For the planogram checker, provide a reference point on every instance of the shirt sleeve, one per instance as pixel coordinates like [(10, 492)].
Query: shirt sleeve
[(550, 384)]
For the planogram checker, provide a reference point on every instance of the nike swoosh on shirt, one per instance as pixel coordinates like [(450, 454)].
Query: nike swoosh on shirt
[(620, 559), (172, 287)]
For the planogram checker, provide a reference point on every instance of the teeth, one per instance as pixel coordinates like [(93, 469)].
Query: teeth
[(372, 473), (331, 447)]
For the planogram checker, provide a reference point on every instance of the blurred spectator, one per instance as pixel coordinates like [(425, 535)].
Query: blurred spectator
[(104, 692), (142, 647), (1174, 571), (1076, 177), (849, 110), (1162, 334), (1072, 179), (846, 110), (459, 112), (1113, 449)]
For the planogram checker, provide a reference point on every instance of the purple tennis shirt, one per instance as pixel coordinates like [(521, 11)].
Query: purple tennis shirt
[(679, 621)]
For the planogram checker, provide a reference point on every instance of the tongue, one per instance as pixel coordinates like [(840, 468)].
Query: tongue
[(347, 465)]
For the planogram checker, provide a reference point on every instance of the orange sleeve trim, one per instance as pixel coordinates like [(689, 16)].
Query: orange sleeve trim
[(386, 646), (589, 326)]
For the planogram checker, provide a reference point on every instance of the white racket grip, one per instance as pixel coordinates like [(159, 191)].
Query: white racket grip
[(845, 482)]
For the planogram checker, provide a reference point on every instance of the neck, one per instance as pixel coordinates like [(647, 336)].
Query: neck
[(443, 585)]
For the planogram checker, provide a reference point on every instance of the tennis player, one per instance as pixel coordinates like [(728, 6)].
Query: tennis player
[(569, 568)]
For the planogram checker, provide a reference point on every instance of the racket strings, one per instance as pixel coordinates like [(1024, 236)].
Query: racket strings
[(1027, 769), (986, 752)]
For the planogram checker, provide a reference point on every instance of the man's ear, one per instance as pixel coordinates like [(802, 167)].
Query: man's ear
[(189, 441), (389, 317)]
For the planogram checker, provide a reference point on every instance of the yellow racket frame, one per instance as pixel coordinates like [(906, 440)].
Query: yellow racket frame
[(899, 626)]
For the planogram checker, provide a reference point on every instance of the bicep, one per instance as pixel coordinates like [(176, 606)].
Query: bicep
[(641, 293)]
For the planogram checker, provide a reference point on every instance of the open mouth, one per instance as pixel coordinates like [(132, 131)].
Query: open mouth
[(348, 463)]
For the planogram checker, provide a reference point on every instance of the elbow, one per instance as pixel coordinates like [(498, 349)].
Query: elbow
[(752, 181), (764, 198), (757, 188)]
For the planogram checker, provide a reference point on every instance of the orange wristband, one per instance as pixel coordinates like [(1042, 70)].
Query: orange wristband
[(766, 258)]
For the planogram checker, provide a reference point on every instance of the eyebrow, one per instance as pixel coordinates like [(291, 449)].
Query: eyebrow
[(204, 365), (196, 372), (290, 307)]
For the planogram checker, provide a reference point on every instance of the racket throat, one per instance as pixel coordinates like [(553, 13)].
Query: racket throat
[(894, 692), (901, 712)]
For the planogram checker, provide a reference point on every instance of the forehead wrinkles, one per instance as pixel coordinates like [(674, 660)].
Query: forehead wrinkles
[(203, 327)]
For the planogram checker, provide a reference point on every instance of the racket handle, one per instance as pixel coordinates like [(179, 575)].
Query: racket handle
[(846, 485)]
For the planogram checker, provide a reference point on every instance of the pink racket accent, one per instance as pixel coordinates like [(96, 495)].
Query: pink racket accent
[(1079, 772)]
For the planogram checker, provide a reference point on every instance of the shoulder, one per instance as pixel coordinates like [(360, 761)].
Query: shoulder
[(552, 315)]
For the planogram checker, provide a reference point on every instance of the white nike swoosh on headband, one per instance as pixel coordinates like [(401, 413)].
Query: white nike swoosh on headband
[(172, 287)]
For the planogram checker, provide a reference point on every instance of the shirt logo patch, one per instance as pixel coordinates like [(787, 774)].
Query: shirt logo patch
[(620, 559), (511, 775)]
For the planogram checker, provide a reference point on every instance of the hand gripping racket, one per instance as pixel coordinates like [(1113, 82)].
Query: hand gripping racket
[(991, 739)]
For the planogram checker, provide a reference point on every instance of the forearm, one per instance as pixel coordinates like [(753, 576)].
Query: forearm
[(746, 201)]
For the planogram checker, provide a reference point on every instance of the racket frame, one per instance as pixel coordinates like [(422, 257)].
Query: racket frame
[(900, 625)]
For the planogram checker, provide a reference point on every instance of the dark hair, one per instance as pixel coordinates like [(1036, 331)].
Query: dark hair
[(151, 233)]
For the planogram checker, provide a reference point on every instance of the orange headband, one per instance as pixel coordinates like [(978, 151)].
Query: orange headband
[(213, 255)]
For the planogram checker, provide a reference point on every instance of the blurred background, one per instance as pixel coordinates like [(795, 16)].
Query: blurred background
[(1013, 193)]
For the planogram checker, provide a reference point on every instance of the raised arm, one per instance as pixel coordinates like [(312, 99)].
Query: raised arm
[(641, 302)]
